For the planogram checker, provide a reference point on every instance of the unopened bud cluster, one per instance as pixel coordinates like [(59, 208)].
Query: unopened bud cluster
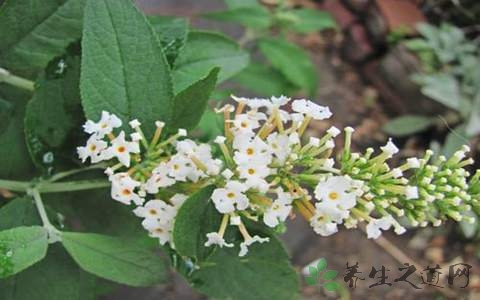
[(267, 171)]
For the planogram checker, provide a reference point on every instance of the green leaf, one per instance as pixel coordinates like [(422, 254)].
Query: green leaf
[(330, 286), (329, 275), (442, 88), (210, 125), (264, 80), (56, 277), (309, 20), (113, 259), (54, 117), (18, 212), (292, 61), (321, 265), (473, 124), (241, 3), (455, 139), (38, 30), (313, 271), (264, 273), (14, 158), (195, 218), (124, 70), (409, 124), (172, 32), (6, 110), (311, 281), (204, 51), (250, 16), (192, 102), (20, 248)]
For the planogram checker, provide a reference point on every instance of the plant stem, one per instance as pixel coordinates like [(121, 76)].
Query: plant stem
[(62, 175), (71, 186), (54, 235), (15, 186), (7, 77)]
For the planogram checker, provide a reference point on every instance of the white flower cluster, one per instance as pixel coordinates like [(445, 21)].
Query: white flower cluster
[(268, 170)]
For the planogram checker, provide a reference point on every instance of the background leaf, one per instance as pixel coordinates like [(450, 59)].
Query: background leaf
[(172, 32), (249, 16), (124, 70), (192, 102), (442, 88), (20, 248), (408, 124), (204, 51), (114, 259), (264, 80), (57, 277), (38, 30), (18, 212), (309, 20), (282, 54)]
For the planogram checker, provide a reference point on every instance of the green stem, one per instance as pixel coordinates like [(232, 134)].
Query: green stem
[(65, 174), (54, 235), (19, 82), (71, 186), (14, 186)]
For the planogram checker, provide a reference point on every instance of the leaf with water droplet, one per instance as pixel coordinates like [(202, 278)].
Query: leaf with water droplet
[(20, 248)]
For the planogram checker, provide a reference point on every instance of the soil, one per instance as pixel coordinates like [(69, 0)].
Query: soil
[(355, 104)]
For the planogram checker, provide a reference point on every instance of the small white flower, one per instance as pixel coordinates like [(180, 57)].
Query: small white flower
[(121, 149), (311, 109), (390, 149), (335, 192), (158, 230), (93, 150), (333, 131), (279, 101), (179, 167), (123, 187), (135, 136), (253, 171), (220, 139), (411, 192), (158, 179), (227, 174), (244, 123), (135, 123), (279, 145), (178, 199), (413, 163), (230, 197), (156, 209), (159, 124), (105, 126), (254, 151), (315, 142), (374, 226), (279, 210), (397, 173), (216, 239), (329, 163), (235, 220), (245, 244)]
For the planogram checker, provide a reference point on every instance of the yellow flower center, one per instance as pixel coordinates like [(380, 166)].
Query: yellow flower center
[(231, 195), (333, 196), (250, 151), (251, 171), (121, 149)]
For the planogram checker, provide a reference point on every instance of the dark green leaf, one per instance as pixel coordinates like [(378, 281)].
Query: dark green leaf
[(172, 32), (56, 277), (195, 218), (14, 158), (203, 52), (114, 259), (264, 81), (308, 20), (241, 3), (264, 273), (330, 286), (313, 271), (37, 31), (321, 265), (249, 16), (124, 70), (311, 281), (54, 117), (20, 248), (210, 126), (192, 102), (18, 212), (6, 110), (406, 125), (292, 61), (329, 275)]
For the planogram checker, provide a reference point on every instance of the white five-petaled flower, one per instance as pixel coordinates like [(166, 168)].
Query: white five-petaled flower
[(279, 145), (93, 150), (158, 229), (158, 179), (123, 189), (311, 109), (156, 209), (335, 192), (105, 126), (230, 198), (279, 210), (214, 238), (245, 244), (121, 149)]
